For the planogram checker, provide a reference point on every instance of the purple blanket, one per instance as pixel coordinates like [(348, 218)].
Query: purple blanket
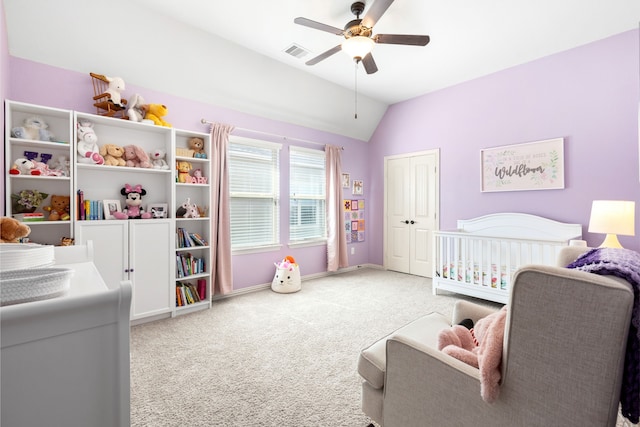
[(625, 264)]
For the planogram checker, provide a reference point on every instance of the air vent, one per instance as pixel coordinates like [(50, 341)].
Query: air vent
[(296, 51)]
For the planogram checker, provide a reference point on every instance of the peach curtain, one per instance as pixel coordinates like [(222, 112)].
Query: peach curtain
[(221, 271), (337, 256)]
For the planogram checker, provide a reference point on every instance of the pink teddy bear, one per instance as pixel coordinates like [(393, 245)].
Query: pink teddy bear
[(480, 347), (136, 157)]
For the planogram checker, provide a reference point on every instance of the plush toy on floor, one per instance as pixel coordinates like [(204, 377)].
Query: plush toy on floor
[(12, 230), (133, 201), (287, 278)]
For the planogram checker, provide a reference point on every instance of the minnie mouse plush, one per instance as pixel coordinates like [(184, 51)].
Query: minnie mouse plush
[(133, 200)]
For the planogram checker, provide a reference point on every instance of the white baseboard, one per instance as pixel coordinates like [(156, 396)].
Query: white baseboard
[(263, 286)]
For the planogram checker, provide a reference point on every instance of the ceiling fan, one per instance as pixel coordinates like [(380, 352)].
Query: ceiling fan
[(359, 37)]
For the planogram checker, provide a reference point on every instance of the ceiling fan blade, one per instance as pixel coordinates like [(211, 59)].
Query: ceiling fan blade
[(324, 55), (318, 26), (374, 13), (369, 64), (408, 39)]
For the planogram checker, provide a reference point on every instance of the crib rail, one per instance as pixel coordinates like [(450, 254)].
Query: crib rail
[(483, 266)]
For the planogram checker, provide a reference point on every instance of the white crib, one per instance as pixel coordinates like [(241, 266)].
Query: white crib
[(480, 257)]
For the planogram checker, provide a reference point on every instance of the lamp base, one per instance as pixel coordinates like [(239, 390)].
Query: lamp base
[(611, 241)]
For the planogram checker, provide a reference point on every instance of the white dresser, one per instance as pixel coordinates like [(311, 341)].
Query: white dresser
[(65, 361)]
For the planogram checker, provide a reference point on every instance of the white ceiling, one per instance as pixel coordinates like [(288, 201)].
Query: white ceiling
[(468, 38)]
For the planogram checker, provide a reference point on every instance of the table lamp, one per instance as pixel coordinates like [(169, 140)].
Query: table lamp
[(612, 217)]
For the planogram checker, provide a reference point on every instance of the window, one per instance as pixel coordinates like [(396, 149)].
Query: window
[(254, 193), (307, 184)]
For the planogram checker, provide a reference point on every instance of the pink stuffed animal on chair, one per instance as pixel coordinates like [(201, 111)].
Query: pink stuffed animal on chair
[(136, 157), (480, 347)]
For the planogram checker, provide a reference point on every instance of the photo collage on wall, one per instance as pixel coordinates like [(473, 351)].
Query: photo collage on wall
[(354, 220)]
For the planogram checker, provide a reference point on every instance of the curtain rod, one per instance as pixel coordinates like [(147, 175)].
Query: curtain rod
[(207, 122)]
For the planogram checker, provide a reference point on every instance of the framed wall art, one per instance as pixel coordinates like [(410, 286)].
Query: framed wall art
[(358, 187), (346, 180), (529, 166)]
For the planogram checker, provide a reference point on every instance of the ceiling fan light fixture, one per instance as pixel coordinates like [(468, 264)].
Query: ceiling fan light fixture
[(358, 47)]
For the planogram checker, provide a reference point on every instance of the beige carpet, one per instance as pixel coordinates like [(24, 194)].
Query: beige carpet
[(269, 359)]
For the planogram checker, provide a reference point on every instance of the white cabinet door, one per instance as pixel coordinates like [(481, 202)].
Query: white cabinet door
[(151, 255), (137, 250), (110, 248)]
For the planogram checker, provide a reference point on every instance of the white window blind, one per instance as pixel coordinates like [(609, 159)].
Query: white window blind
[(306, 195), (254, 193)]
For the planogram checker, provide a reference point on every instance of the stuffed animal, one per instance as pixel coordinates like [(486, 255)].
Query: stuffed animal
[(136, 157), (88, 144), (480, 347), (157, 157), (133, 201), (61, 164), (183, 171), (12, 230), (43, 169), (136, 108), (113, 155), (23, 166), (59, 208), (155, 113), (197, 145), (191, 211), (116, 86), (33, 128)]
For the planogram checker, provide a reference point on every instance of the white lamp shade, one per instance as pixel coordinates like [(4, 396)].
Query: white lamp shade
[(358, 46), (613, 217)]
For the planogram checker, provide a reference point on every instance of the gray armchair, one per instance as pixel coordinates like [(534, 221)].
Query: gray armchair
[(562, 365)]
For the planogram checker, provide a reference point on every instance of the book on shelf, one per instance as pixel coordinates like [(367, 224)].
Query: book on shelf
[(29, 217), (186, 293)]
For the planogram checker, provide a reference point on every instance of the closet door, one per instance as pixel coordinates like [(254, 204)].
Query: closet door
[(411, 211)]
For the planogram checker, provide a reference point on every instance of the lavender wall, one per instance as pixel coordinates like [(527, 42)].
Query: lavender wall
[(588, 95), (41, 84)]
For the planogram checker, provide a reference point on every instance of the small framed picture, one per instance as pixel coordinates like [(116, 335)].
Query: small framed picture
[(346, 180), (111, 206), (357, 189), (157, 210)]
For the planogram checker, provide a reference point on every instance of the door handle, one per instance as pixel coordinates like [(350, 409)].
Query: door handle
[(406, 221), (413, 222)]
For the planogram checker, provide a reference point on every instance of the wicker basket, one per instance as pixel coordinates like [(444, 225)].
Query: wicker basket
[(184, 152), (19, 256)]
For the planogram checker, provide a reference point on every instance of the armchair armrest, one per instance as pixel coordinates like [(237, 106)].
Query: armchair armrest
[(468, 310)]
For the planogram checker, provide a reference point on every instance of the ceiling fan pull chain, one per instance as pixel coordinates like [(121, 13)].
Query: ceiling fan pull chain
[(356, 91)]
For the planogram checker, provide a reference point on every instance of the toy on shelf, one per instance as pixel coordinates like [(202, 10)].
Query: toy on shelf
[(197, 145), (23, 166), (136, 157), (157, 157), (155, 113), (88, 144), (113, 155), (183, 171), (197, 177), (60, 164), (188, 210), (107, 95), (33, 128), (12, 230), (59, 208), (133, 201), (136, 108)]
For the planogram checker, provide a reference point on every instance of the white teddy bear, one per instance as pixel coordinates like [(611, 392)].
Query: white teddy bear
[(157, 157)]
